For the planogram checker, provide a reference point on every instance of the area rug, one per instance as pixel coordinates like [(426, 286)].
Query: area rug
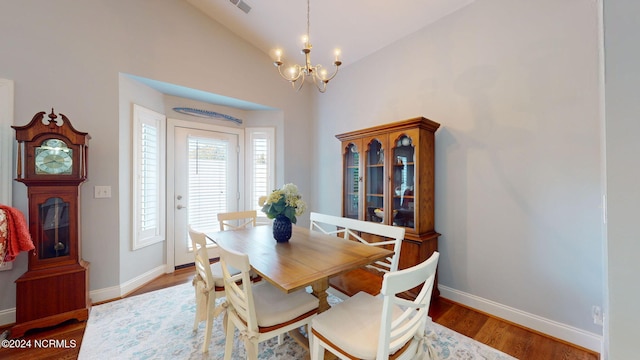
[(159, 325)]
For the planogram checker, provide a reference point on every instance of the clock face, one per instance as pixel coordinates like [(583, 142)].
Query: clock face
[(53, 157)]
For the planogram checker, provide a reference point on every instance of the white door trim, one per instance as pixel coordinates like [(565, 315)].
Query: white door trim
[(171, 125), (6, 140)]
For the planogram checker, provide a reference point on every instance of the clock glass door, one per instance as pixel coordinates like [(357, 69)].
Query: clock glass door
[(54, 228)]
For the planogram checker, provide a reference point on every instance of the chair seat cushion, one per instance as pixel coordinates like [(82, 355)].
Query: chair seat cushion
[(216, 271), (354, 324), (274, 307)]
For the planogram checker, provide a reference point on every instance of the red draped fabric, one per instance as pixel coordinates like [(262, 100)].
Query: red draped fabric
[(14, 233)]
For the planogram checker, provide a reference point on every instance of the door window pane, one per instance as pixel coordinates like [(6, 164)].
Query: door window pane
[(208, 181)]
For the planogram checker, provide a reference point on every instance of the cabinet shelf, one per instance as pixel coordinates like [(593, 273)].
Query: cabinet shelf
[(404, 197)]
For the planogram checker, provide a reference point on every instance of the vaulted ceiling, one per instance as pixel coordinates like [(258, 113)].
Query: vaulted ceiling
[(357, 27)]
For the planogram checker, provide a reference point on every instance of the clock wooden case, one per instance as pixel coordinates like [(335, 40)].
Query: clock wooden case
[(52, 163)]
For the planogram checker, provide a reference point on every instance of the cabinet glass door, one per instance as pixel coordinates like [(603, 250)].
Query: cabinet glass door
[(403, 182), (351, 181), (374, 168)]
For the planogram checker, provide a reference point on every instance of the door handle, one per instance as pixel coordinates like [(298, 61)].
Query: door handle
[(180, 207)]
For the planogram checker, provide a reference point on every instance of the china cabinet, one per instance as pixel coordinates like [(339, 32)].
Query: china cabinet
[(388, 177), (52, 163)]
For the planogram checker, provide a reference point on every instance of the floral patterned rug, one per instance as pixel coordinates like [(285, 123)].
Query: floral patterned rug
[(159, 325)]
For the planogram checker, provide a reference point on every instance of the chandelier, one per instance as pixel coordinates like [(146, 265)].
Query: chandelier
[(296, 74)]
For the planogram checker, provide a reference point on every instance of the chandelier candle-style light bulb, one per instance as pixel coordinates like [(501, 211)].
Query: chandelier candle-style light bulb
[(297, 73)]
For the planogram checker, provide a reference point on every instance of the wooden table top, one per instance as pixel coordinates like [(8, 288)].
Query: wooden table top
[(309, 256)]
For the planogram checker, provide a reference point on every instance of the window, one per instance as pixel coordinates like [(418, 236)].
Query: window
[(260, 165), (149, 175)]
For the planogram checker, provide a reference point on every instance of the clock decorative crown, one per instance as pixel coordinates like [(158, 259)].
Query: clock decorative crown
[(51, 150)]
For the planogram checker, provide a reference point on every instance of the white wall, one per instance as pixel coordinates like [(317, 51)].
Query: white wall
[(514, 85), (133, 263), (623, 174), (69, 55)]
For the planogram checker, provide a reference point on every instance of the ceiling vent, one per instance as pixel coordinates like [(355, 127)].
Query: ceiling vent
[(241, 5)]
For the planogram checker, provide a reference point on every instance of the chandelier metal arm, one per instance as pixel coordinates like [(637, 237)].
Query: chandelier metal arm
[(299, 72)]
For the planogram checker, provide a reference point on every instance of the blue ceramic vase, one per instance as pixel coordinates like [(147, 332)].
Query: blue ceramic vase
[(281, 228)]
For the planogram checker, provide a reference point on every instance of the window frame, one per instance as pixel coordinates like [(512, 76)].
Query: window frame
[(252, 133), (143, 116), (7, 136)]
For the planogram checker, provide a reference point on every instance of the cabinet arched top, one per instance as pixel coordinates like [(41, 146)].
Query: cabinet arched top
[(418, 122)]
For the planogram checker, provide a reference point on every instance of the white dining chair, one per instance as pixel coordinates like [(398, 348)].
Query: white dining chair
[(237, 220), (366, 232), (353, 330), (261, 311), (208, 284)]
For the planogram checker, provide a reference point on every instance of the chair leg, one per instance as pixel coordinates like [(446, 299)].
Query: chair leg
[(228, 345), (280, 338), (196, 321), (315, 348), (252, 348), (211, 301), (224, 321)]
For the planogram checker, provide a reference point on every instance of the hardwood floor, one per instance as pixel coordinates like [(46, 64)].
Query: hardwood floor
[(509, 338)]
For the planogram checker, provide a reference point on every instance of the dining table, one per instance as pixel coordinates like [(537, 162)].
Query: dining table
[(309, 258)]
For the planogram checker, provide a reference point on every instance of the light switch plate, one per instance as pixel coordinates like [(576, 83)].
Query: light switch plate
[(102, 192)]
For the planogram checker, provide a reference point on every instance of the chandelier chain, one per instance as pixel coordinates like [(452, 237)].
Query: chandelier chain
[(308, 20)]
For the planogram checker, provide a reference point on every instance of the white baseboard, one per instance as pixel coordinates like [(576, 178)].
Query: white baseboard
[(115, 292), (8, 316), (552, 328)]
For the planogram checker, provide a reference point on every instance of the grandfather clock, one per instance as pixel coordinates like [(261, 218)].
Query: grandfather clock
[(52, 163)]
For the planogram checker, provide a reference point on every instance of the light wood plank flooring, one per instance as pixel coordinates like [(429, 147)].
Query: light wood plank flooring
[(509, 338)]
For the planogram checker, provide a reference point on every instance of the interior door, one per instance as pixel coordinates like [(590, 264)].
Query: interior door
[(206, 165)]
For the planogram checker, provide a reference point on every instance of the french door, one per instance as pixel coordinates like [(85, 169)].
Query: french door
[(206, 179)]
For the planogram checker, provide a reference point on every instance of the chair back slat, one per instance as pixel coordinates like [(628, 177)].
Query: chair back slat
[(198, 239), (203, 270), (238, 288), (237, 220), (396, 331)]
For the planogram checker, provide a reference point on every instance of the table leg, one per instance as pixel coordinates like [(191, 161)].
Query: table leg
[(320, 291)]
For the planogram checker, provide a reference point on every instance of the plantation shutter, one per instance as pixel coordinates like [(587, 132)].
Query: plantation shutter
[(261, 167), (208, 174), (148, 168), (149, 180)]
